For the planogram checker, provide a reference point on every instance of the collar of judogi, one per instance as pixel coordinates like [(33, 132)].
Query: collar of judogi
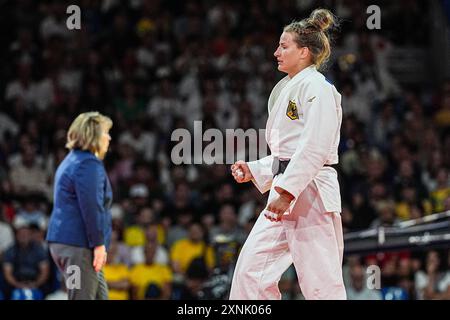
[(302, 74)]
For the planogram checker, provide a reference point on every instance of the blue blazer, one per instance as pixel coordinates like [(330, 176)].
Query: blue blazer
[(81, 213)]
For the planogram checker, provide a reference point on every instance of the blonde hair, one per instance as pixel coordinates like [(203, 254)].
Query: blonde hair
[(86, 131), (312, 33)]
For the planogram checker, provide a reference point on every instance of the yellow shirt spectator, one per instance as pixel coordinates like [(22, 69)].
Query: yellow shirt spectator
[(135, 235), (438, 198), (403, 209), (116, 273), (185, 250), (144, 274)]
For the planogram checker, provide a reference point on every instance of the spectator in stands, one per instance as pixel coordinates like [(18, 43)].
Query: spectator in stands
[(151, 235), (386, 215), (134, 235), (432, 283), (184, 251), (31, 214), (358, 288), (26, 264), (192, 288), (442, 190), (28, 176), (116, 275), (145, 274), (143, 142), (131, 106), (123, 166), (228, 226), (179, 230)]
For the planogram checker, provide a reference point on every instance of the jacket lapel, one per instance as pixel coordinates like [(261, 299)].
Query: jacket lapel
[(277, 103)]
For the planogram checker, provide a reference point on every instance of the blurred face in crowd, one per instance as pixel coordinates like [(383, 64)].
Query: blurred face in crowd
[(409, 194), (415, 212), (433, 261), (378, 191), (208, 221), (357, 276), (228, 215), (182, 192), (29, 206), (406, 169), (146, 216), (23, 236), (184, 219), (442, 177), (195, 233), (28, 155), (151, 233), (150, 252), (225, 192), (387, 215), (291, 59)]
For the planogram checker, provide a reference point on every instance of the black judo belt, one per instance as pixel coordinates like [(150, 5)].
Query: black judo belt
[(279, 166)]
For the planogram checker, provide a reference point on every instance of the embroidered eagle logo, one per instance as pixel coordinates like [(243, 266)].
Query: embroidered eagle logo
[(292, 110)]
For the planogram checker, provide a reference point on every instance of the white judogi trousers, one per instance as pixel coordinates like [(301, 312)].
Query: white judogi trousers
[(308, 236)]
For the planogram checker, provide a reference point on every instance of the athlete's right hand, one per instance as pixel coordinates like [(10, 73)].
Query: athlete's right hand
[(241, 172)]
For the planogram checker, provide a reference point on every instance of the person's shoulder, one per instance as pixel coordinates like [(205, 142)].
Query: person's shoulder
[(181, 243), (316, 84), (137, 268), (318, 80), (82, 158)]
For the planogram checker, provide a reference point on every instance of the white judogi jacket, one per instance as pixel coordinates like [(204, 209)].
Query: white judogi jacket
[(309, 137)]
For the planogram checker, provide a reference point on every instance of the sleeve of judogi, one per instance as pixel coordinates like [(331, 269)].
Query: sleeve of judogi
[(316, 141), (262, 173)]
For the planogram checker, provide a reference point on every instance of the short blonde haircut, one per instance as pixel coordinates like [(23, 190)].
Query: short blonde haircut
[(86, 131)]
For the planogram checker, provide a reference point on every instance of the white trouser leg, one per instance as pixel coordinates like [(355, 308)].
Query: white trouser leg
[(316, 242), (262, 260)]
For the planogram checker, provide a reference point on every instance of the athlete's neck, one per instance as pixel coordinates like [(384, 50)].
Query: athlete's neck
[(299, 69)]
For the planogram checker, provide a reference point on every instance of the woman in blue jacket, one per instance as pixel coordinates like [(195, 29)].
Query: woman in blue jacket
[(79, 231)]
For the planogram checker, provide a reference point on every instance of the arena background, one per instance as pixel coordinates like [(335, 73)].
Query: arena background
[(154, 66)]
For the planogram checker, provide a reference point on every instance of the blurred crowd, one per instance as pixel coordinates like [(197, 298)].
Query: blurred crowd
[(154, 66)]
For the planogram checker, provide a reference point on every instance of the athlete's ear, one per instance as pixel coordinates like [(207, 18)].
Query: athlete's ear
[(304, 52)]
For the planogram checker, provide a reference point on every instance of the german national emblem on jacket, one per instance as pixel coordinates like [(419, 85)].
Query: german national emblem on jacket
[(292, 111)]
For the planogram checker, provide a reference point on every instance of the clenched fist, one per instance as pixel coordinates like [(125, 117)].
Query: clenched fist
[(241, 172)]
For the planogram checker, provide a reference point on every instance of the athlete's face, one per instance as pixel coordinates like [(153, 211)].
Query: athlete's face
[(291, 58)]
